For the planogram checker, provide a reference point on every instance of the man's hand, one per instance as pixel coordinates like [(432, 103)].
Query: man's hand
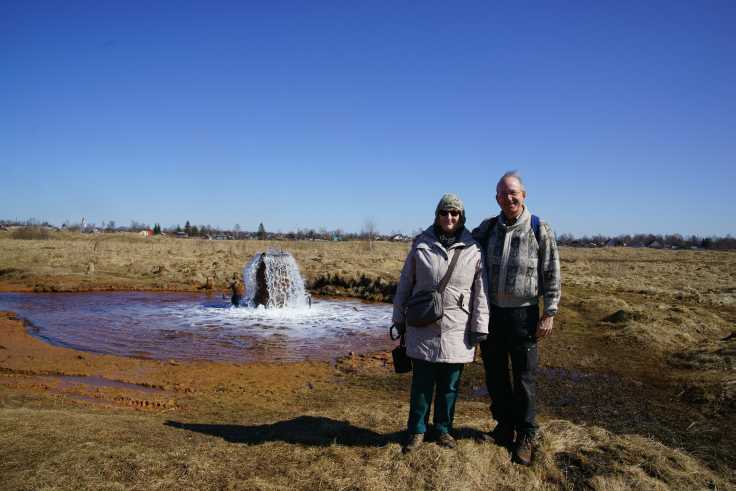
[(544, 327)]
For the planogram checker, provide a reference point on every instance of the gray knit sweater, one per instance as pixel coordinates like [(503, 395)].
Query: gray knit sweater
[(516, 263)]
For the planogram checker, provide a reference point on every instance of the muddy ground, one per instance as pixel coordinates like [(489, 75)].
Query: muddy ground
[(637, 386)]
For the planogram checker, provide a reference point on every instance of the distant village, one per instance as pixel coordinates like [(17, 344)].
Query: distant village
[(32, 229)]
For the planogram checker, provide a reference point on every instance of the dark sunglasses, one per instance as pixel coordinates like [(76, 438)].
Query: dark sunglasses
[(454, 213)]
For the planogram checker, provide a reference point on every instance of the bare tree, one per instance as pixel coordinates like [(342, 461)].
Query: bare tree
[(369, 232)]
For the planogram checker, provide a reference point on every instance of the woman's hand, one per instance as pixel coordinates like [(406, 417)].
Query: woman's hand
[(477, 337)]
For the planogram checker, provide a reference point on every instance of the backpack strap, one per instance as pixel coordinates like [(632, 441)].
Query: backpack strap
[(536, 226)]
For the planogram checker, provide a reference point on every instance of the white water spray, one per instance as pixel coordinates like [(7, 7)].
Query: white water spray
[(278, 274)]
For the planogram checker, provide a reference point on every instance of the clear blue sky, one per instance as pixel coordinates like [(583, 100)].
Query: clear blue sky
[(620, 115)]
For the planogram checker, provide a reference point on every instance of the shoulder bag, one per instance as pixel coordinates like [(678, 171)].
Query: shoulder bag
[(425, 306)]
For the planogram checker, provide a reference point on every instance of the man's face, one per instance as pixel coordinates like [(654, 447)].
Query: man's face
[(510, 197)]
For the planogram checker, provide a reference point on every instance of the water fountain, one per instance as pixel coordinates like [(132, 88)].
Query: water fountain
[(272, 279)]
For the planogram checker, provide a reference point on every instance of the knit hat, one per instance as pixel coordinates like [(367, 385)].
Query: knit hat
[(450, 201)]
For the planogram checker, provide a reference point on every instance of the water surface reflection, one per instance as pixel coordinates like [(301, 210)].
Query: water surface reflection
[(190, 326)]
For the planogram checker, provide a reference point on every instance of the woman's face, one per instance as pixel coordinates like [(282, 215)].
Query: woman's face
[(449, 220)]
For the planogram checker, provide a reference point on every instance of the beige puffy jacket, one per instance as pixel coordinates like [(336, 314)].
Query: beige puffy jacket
[(464, 300)]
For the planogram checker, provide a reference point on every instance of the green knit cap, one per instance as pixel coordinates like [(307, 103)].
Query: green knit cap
[(450, 201)]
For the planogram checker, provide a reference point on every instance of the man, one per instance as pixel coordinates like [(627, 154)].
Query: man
[(237, 289), (523, 264)]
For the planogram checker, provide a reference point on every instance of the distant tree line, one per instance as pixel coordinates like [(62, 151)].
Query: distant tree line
[(370, 233), (670, 241)]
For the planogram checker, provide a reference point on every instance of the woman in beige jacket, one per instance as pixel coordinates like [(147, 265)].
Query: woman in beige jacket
[(440, 350)]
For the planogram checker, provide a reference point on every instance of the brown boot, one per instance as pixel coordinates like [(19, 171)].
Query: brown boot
[(523, 449), (446, 440), (413, 442)]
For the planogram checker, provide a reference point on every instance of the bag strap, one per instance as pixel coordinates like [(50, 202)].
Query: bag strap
[(399, 329), (450, 269)]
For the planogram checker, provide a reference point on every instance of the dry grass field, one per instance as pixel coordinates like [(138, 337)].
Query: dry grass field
[(76, 262), (637, 388)]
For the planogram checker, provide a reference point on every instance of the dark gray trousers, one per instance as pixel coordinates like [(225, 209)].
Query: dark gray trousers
[(513, 393)]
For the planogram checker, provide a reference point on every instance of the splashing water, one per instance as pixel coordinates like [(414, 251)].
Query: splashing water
[(279, 324), (192, 326), (272, 279)]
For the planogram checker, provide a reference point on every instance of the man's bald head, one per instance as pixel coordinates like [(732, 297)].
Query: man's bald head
[(511, 175)]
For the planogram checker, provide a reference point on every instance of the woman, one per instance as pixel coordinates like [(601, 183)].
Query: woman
[(440, 350)]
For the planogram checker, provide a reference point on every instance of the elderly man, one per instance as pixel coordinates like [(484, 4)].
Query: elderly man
[(523, 264)]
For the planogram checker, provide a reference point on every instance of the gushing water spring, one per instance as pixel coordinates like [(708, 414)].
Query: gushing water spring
[(277, 326), (272, 279)]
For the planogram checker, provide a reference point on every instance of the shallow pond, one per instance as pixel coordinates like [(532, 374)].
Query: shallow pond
[(190, 326)]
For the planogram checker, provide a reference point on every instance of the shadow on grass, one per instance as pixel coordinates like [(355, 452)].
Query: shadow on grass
[(309, 430), (305, 430)]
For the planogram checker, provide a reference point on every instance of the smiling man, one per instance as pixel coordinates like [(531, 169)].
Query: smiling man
[(521, 258)]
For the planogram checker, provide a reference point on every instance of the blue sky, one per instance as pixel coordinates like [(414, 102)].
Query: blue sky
[(621, 116)]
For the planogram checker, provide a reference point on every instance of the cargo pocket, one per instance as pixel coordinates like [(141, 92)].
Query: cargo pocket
[(526, 358), (525, 321)]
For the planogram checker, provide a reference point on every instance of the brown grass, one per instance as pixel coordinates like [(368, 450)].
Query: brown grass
[(30, 233), (636, 387), (74, 262)]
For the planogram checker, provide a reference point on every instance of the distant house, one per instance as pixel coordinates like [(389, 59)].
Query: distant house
[(655, 244), (181, 235), (146, 233), (400, 238), (223, 237)]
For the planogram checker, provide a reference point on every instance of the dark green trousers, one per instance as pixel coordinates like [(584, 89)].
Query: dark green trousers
[(426, 376)]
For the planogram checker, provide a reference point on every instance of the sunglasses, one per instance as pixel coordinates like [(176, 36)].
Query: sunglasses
[(453, 213)]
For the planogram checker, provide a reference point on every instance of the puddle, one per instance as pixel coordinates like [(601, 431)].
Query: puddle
[(68, 381)]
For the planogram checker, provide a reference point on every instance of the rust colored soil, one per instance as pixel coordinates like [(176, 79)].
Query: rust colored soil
[(28, 363)]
